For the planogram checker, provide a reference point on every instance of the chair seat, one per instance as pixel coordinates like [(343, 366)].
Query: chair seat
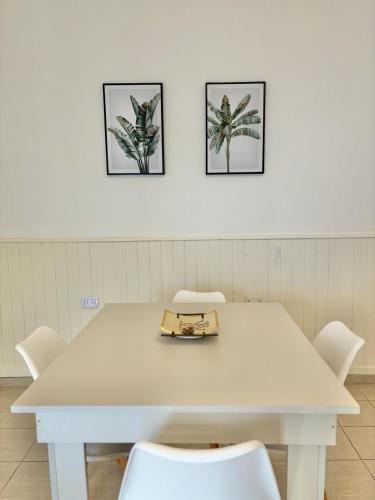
[(103, 452)]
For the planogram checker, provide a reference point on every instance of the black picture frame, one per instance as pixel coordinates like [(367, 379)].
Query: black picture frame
[(261, 149), (110, 143)]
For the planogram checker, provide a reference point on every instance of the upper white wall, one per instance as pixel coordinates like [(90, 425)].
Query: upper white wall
[(316, 57)]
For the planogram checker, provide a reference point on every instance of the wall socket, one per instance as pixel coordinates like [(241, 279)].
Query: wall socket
[(253, 299), (89, 302)]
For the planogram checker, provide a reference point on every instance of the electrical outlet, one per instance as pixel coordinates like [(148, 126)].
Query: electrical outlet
[(253, 299), (89, 302)]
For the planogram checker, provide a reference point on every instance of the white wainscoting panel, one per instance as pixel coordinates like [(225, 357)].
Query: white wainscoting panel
[(316, 279)]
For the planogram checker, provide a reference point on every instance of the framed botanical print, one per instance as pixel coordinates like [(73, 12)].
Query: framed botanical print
[(133, 118), (235, 115)]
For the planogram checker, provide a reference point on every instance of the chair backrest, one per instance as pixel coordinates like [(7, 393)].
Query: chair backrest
[(40, 349), (186, 296), (338, 346), (239, 472)]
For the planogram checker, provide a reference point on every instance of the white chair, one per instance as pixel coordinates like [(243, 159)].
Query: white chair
[(38, 351), (186, 297), (239, 472), (338, 346), (40, 348)]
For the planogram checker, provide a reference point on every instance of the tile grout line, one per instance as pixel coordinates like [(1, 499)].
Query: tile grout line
[(371, 474), (350, 441), (25, 455), (360, 426), (18, 461), (16, 469), (6, 482), (360, 390), (344, 459), (363, 461)]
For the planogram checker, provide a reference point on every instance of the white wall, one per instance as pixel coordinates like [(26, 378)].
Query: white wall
[(316, 57)]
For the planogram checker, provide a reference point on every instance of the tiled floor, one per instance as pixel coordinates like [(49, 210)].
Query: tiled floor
[(24, 467)]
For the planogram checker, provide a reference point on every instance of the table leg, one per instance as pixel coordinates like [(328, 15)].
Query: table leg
[(306, 472), (52, 471), (67, 468)]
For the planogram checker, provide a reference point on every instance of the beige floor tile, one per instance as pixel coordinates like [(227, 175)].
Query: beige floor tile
[(6, 471), (365, 419), (15, 443), (349, 480), (30, 482), (368, 390), (38, 453), (363, 440), (10, 394), (370, 464), (343, 449), (17, 420), (356, 392), (104, 481)]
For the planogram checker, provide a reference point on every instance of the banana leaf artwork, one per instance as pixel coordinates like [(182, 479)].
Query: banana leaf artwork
[(133, 116), (235, 128)]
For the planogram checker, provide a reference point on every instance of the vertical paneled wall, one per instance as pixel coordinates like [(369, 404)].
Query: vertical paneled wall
[(317, 280)]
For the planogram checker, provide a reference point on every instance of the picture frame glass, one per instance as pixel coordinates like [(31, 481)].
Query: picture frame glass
[(235, 114), (133, 116)]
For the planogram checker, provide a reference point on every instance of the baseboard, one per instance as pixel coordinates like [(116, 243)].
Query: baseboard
[(13, 372), (360, 379), (363, 370), (15, 381), (364, 374)]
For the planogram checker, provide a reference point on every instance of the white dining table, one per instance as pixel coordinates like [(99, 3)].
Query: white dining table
[(120, 381)]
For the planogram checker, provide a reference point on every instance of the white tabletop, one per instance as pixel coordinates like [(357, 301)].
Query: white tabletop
[(260, 362)]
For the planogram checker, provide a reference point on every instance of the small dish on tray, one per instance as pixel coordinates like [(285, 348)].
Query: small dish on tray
[(189, 326)]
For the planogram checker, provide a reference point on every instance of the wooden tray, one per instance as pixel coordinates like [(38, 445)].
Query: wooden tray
[(189, 325)]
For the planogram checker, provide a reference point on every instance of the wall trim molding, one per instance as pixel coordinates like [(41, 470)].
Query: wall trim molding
[(363, 370), (10, 372), (189, 237), (316, 280), (25, 381)]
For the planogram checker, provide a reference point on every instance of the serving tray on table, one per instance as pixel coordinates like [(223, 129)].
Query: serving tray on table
[(189, 326)]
